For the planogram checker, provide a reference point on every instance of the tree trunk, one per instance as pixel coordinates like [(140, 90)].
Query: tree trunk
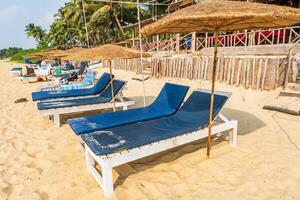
[(119, 26)]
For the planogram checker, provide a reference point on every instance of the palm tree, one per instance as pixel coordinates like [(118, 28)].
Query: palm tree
[(36, 32), (103, 19)]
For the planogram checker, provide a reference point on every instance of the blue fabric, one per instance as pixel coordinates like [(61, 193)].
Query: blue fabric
[(16, 69), (87, 81), (193, 115), (65, 75), (96, 89), (28, 75), (167, 102), (104, 97)]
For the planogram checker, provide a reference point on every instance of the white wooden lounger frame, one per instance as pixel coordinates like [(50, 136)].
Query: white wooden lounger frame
[(107, 162), (15, 72), (83, 97), (56, 112)]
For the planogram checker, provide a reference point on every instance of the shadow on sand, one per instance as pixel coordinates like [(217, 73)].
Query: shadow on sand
[(247, 122), (244, 118)]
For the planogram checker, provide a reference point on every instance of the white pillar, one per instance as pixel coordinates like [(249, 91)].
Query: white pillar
[(193, 47), (177, 42)]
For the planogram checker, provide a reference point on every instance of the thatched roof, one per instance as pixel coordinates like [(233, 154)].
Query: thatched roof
[(224, 16), (105, 52)]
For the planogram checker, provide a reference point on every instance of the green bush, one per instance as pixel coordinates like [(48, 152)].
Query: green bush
[(21, 54)]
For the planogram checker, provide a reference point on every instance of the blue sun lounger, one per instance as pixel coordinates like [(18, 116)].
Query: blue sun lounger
[(15, 71), (118, 145), (102, 101), (88, 81), (96, 89), (167, 103)]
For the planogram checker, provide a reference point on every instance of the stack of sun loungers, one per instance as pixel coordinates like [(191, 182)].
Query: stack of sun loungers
[(56, 103), (113, 139)]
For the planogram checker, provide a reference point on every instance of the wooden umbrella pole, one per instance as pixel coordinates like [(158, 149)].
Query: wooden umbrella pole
[(112, 86), (212, 92), (141, 51)]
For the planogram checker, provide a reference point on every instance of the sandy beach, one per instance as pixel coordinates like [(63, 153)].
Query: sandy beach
[(39, 161)]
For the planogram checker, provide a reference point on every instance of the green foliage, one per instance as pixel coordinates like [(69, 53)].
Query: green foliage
[(9, 52), (18, 57), (37, 32), (104, 23)]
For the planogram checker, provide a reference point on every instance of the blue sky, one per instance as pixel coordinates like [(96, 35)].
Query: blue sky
[(16, 14)]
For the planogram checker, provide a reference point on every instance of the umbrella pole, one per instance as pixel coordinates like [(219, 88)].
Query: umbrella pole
[(216, 34), (141, 50), (112, 86)]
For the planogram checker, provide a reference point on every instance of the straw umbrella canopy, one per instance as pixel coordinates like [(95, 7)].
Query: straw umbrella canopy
[(62, 54), (106, 52), (223, 16), (45, 54)]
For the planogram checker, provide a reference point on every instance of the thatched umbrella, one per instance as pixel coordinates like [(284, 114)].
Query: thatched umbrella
[(63, 53), (106, 52), (223, 16), (45, 54)]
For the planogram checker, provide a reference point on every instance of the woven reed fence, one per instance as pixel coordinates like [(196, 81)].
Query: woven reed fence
[(256, 72), (133, 65)]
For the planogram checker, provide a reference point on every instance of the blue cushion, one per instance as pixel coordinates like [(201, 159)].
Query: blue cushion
[(88, 80), (104, 97), (192, 116), (167, 102), (16, 69), (96, 89)]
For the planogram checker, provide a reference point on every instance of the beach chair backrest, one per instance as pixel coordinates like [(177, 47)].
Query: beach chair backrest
[(29, 70), (118, 85), (196, 108), (101, 83), (89, 78), (82, 68), (43, 70), (170, 96)]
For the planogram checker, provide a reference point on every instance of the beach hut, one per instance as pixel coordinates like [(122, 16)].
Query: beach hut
[(223, 16)]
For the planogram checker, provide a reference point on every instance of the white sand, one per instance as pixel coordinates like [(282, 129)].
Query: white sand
[(38, 161)]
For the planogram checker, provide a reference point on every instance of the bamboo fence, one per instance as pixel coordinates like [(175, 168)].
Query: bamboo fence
[(256, 72)]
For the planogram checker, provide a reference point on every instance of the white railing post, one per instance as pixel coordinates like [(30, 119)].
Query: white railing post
[(193, 46), (177, 42), (290, 35), (246, 38), (157, 42), (206, 38)]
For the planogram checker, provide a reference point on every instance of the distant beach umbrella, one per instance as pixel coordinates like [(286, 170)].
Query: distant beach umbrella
[(62, 54), (45, 54), (223, 16), (105, 52)]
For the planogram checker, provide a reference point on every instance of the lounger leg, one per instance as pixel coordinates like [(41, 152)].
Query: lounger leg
[(108, 186), (56, 120), (106, 180), (125, 107), (89, 161), (233, 134)]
